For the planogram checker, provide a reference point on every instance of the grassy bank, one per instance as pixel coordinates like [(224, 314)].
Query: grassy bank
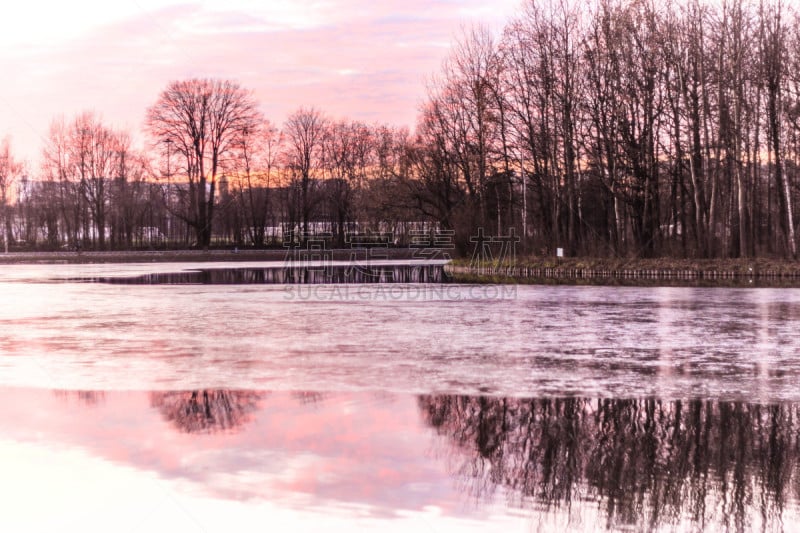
[(660, 272), (741, 266)]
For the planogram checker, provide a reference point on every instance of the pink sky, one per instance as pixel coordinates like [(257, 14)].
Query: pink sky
[(351, 58)]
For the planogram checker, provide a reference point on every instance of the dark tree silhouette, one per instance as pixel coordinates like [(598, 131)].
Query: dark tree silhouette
[(305, 132), (204, 121)]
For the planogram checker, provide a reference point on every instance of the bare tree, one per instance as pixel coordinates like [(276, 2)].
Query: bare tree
[(626, 105), (253, 168), (542, 52), (305, 133), (92, 152), (10, 170), (203, 119), (59, 184), (347, 156), (773, 44), (434, 187), (383, 202), (465, 107), (82, 156), (128, 196)]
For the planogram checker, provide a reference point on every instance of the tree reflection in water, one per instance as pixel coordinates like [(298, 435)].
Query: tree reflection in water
[(647, 463), (309, 397), (207, 411), (86, 397), (300, 274)]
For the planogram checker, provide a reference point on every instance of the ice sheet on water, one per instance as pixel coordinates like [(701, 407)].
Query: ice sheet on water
[(511, 340)]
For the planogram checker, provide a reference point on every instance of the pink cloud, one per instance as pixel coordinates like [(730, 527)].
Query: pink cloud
[(358, 59)]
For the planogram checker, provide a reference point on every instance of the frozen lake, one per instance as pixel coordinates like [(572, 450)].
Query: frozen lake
[(394, 405)]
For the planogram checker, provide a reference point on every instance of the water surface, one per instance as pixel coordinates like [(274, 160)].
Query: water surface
[(394, 406), (394, 461)]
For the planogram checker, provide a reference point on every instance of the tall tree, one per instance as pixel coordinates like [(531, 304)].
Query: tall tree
[(202, 120), (93, 153), (305, 133), (773, 49), (467, 112), (10, 170), (347, 155), (542, 81), (82, 156), (129, 198), (626, 109), (253, 169)]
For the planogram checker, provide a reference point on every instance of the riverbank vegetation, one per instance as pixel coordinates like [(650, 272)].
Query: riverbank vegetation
[(738, 266), (635, 272)]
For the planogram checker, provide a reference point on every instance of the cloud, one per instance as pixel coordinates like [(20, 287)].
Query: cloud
[(359, 59)]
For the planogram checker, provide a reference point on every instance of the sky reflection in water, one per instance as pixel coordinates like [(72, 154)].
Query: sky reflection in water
[(452, 462)]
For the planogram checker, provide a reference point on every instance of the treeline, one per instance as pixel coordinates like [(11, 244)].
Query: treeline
[(624, 128), (612, 129), (218, 175)]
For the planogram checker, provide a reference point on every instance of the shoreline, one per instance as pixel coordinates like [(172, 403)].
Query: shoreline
[(663, 272), (648, 273), (740, 283), (196, 256)]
